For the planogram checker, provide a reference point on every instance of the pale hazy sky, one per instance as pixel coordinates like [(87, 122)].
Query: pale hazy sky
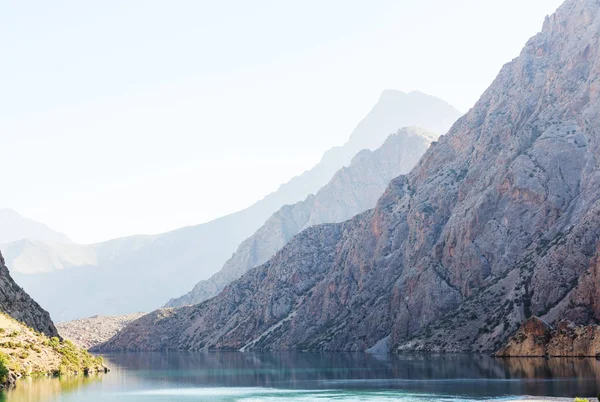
[(120, 116)]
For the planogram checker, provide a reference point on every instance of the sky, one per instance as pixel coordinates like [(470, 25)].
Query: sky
[(141, 116)]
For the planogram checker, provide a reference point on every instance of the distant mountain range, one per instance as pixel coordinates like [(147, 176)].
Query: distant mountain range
[(139, 273), (498, 222), (16, 227), (352, 190)]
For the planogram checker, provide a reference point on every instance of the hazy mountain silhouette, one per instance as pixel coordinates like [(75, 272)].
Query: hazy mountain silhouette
[(14, 226), (139, 273), (352, 190)]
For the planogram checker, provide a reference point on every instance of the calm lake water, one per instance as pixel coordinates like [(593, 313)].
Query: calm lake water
[(249, 377)]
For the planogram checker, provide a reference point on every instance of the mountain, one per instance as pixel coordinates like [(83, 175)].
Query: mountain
[(35, 257), (394, 110), (20, 306), (26, 352), (29, 341), (499, 221), (92, 331), (16, 227), (352, 190), (139, 273)]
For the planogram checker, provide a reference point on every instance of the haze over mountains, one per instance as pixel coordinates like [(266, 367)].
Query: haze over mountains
[(16, 227), (497, 222), (352, 190), (139, 273)]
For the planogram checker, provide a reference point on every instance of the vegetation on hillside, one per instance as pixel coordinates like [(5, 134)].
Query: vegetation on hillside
[(23, 351), (3, 368), (74, 359)]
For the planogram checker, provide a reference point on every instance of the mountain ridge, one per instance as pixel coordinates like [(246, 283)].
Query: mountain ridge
[(169, 263), (352, 190), (14, 226), (496, 223)]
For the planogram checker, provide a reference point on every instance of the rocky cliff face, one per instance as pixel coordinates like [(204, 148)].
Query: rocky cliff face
[(499, 221), (112, 278), (17, 304), (531, 340), (352, 190), (536, 338)]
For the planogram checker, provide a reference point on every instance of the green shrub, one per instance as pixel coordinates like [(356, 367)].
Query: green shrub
[(74, 359), (11, 345), (3, 368), (54, 342)]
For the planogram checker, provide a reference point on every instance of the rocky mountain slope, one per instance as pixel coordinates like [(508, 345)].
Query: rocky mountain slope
[(89, 332), (352, 190), (15, 227), (113, 277), (19, 305), (499, 221), (29, 341), (24, 351)]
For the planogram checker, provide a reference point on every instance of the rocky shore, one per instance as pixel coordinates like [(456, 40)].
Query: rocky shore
[(536, 338)]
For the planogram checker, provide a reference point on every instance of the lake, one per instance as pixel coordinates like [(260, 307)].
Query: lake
[(253, 377)]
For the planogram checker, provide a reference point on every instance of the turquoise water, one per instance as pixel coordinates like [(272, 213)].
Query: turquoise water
[(250, 377)]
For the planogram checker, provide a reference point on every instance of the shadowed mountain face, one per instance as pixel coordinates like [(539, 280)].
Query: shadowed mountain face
[(17, 304), (499, 221), (352, 190), (139, 273)]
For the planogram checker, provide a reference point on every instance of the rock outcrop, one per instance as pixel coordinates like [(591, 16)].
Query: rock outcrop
[(89, 332), (530, 341), (352, 190), (20, 306), (171, 263), (536, 338), (499, 221)]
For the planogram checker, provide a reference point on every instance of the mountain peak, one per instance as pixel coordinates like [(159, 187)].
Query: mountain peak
[(572, 19), (396, 109), (9, 212), (572, 15), (14, 226), (388, 94), (396, 95)]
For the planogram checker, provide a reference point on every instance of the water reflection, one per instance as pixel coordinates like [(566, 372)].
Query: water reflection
[(170, 376), (46, 389)]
